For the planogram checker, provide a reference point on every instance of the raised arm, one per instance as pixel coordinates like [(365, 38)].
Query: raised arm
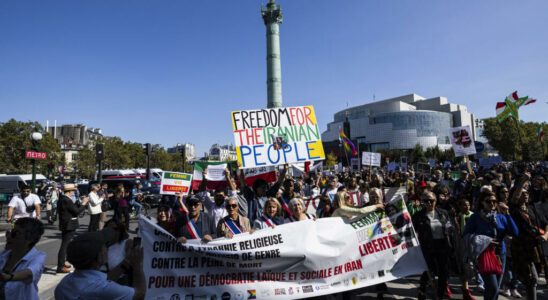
[(203, 185), (229, 180)]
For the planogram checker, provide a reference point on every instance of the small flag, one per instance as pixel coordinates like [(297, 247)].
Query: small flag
[(347, 143), (511, 105), (540, 133)]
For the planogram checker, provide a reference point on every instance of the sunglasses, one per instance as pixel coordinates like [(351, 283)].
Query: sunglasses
[(231, 205)]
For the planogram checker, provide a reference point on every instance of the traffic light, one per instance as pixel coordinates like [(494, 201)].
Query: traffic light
[(99, 152), (148, 149)]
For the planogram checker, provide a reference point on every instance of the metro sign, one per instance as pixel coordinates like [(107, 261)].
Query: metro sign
[(29, 154)]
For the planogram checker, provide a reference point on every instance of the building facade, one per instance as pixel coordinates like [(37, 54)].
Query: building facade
[(222, 152), (400, 123), (190, 150), (71, 139)]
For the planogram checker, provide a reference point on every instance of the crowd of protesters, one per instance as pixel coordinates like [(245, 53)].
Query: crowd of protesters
[(486, 228)]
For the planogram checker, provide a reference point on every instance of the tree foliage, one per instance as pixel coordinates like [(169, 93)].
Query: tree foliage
[(15, 139), (515, 140)]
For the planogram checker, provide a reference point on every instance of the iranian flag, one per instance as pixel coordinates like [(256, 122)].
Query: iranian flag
[(500, 108), (215, 174), (540, 132), (267, 173)]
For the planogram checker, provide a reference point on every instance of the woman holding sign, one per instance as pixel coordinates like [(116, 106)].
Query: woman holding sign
[(233, 223), (270, 217)]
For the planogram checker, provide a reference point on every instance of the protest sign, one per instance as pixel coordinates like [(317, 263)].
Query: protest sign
[(403, 163), (446, 164), (392, 166), (432, 162), (266, 173), (355, 164), (173, 182), (490, 161), (275, 136), (371, 159), (215, 180), (461, 139), (295, 260)]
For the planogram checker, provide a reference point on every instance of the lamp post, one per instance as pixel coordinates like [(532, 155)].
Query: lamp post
[(35, 137)]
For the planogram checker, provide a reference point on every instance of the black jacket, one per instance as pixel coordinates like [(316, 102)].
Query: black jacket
[(421, 222), (208, 226), (68, 213)]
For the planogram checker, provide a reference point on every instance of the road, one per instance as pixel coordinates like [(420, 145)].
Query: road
[(405, 288)]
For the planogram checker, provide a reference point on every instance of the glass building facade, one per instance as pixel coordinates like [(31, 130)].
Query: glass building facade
[(427, 123)]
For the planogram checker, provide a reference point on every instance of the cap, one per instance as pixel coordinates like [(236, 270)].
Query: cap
[(193, 199), (84, 248)]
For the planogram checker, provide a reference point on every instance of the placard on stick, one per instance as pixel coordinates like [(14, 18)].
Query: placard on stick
[(276, 136)]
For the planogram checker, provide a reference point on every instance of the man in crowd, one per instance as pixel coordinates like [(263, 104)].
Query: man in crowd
[(136, 194), (216, 208), (103, 193), (68, 222), (24, 206), (195, 225), (95, 207), (257, 196), (51, 199), (88, 252)]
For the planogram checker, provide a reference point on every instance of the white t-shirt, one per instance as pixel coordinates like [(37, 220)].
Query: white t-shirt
[(19, 207)]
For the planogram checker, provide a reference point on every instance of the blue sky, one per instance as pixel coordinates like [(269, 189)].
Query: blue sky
[(171, 71)]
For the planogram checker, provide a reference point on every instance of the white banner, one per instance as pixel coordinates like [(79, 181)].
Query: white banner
[(296, 260), (216, 172), (371, 159), (462, 141)]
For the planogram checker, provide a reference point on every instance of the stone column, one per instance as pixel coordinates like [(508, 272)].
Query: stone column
[(272, 16)]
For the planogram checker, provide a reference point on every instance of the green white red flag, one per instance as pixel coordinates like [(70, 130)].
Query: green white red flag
[(511, 105)]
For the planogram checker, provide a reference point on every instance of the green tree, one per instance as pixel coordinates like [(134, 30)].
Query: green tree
[(15, 139), (514, 140), (417, 154)]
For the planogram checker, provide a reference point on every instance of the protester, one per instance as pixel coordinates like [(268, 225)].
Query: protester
[(165, 218), (343, 208), (88, 252), (216, 208), (21, 264), (103, 193), (68, 222), (24, 206), (194, 225), (431, 226), (256, 197), (52, 197), (117, 265), (122, 208), (297, 210), (287, 195), (136, 198), (270, 217), (490, 223), (95, 207), (233, 223), (42, 191), (529, 261)]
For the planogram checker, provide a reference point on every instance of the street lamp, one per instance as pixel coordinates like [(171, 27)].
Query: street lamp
[(35, 137)]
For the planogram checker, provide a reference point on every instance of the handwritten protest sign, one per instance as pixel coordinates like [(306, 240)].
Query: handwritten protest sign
[(275, 136), (173, 182), (371, 159), (462, 141), (291, 261)]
